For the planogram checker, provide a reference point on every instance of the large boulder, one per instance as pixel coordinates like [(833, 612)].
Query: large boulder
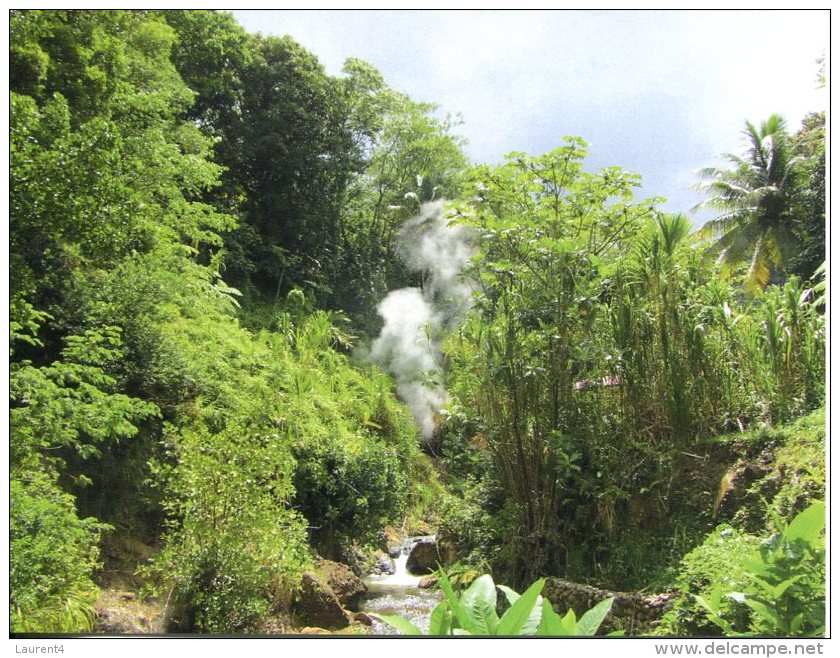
[(317, 605), (390, 542), (346, 585), (354, 557), (383, 565), (424, 557)]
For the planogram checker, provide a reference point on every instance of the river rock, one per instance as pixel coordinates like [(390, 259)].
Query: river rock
[(390, 542), (346, 585), (362, 618), (428, 582), (354, 557), (383, 565), (424, 557), (317, 605)]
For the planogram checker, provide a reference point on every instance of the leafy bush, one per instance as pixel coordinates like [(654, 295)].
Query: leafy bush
[(288, 443), (234, 544), (61, 411), (797, 477), (473, 612), (785, 587), (52, 555), (348, 488), (715, 563), (464, 524), (777, 589)]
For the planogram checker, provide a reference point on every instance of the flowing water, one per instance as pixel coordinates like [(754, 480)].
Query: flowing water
[(399, 594)]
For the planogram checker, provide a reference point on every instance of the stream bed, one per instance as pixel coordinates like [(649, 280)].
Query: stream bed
[(399, 594)]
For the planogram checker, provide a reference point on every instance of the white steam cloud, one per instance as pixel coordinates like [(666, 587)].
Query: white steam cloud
[(408, 346)]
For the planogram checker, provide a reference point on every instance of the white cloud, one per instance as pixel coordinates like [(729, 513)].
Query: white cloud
[(658, 92)]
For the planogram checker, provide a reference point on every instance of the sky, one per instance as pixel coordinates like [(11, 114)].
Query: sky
[(657, 92)]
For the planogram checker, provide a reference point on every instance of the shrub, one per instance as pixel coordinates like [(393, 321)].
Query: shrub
[(785, 587), (52, 556), (740, 585), (287, 439), (234, 543), (715, 563), (348, 487), (465, 524)]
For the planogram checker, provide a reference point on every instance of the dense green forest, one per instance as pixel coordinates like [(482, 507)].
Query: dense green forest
[(210, 390)]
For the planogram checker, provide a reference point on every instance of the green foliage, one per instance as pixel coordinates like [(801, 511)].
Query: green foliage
[(798, 477), (473, 612), (211, 53), (118, 256), (787, 591), (772, 201), (545, 227), (66, 411), (407, 157), (599, 318), (69, 404), (286, 436), (133, 250), (741, 585), (785, 588), (234, 542), (808, 202), (755, 200), (349, 487), (52, 556), (104, 166), (156, 158), (464, 524), (708, 571)]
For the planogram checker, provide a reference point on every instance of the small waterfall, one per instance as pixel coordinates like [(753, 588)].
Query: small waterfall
[(399, 594)]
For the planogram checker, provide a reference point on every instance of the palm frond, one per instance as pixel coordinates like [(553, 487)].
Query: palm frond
[(673, 229), (775, 124), (752, 201), (735, 245)]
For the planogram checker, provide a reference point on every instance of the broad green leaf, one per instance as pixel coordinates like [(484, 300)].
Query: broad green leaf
[(480, 601), (756, 566), (462, 615), (766, 612), (591, 620), (713, 613), (781, 588), (552, 624), (808, 524), (763, 584), (518, 620), (440, 623), (510, 594), (796, 623), (400, 623)]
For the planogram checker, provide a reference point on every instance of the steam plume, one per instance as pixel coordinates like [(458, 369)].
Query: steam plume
[(409, 344)]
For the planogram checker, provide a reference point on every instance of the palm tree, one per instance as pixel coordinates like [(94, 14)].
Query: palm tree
[(754, 198)]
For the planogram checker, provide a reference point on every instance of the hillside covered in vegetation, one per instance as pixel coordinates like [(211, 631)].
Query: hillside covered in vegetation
[(261, 315)]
